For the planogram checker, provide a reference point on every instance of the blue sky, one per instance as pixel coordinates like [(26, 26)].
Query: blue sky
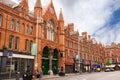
[(99, 18)]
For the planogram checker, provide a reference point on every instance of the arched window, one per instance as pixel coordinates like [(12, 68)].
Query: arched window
[(16, 43), (31, 42), (57, 35), (0, 20), (27, 29), (0, 38), (18, 27), (50, 35), (12, 24), (26, 45), (31, 30), (11, 39), (43, 30)]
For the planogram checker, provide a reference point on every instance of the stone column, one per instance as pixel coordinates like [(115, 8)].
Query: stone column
[(50, 62)]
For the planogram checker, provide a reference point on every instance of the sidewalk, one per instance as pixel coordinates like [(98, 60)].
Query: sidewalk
[(51, 76), (43, 77)]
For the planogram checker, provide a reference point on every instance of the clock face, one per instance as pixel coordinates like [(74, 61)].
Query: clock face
[(51, 10)]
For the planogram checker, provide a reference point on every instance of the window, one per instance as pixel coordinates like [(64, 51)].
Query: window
[(31, 30), (12, 24), (57, 35), (31, 44), (26, 45), (43, 30), (0, 20), (50, 35), (0, 38), (27, 29), (61, 55), (11, 42), (16, 43), (18, 27)]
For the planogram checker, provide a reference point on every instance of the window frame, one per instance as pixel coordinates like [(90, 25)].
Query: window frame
[(17, 43), (12, 24), (11, 41), (18, 26), (26, 45), (1, 20)]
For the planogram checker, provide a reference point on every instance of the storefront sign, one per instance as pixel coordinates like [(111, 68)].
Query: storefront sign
[(69, 61), (87, 63), (10, 54)]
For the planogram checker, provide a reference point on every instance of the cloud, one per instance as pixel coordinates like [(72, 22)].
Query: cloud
[(92, 16)]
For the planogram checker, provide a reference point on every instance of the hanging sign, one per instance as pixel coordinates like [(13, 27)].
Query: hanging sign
[(33, 49)]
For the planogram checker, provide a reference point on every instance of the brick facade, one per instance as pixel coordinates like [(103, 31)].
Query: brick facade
[(112, 53), (56, 46)]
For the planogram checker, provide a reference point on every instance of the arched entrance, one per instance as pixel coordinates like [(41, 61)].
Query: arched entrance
[(55, 61), (49, 60), (45, 60)]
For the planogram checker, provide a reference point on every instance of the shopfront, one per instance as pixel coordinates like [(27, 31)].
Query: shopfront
[(87, 66), (18, 62), (69, 66)]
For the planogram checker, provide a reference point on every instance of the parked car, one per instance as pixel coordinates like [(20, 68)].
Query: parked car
[(107, 70), (112, 69)]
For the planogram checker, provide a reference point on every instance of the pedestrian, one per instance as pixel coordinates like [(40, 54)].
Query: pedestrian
[(17, 75)]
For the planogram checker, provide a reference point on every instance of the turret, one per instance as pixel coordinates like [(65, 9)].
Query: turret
[(62, 42), (38, 9)]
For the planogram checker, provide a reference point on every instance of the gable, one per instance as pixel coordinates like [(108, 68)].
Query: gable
[(49, 13)]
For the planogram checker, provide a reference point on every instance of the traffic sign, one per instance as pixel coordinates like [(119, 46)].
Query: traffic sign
[(10, 54)]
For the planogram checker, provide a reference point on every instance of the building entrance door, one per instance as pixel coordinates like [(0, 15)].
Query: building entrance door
[(55, 61), (45, 61)]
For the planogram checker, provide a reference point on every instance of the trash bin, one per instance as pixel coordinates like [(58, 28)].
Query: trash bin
[(25, 76), (61, 74), (17, 75)]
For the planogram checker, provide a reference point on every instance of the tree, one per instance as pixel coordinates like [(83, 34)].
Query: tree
[(107, 62)]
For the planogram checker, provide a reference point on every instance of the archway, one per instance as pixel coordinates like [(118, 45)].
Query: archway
[(45, 60)]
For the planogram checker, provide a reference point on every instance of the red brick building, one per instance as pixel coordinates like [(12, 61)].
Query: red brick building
[(91, 52), (20, 28), (57, 45), (112, 53)]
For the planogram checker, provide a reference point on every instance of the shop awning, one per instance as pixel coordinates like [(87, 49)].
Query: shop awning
[(69, 61), (20, 56)]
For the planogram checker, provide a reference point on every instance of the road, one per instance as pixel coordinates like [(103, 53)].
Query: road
[(115, 75)]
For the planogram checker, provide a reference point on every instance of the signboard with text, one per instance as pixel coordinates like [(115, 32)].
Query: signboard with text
[(10, 54)]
